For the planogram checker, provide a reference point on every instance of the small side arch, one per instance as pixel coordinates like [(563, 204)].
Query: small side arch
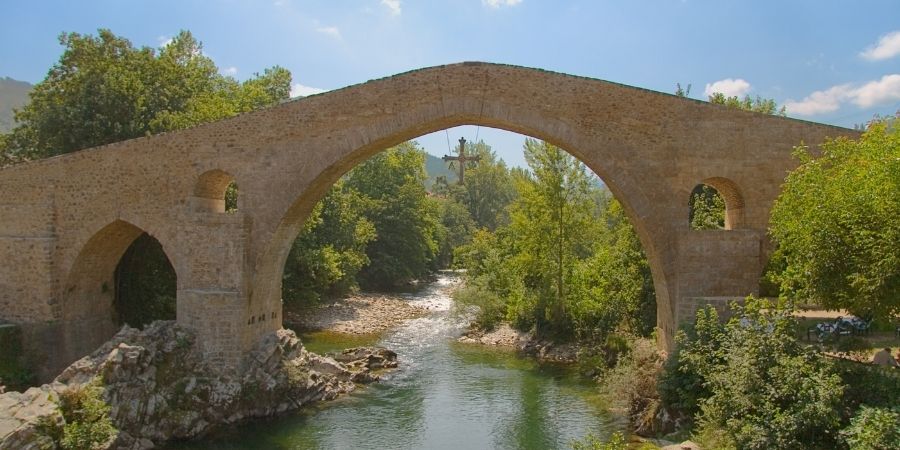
[(215, 192), (730, 194)]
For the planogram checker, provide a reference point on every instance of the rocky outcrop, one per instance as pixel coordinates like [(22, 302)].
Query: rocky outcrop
[(159, 388)]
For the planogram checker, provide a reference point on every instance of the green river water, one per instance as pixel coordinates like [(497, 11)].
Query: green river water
[(444, 395)]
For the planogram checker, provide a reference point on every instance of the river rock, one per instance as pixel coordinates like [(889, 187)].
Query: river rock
[(159, 387)]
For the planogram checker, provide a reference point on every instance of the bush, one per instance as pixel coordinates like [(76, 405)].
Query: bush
[(632, 388), (868, 385), (490, 308), (682, 382), (755, 384), (88, 425), (873, 429), (591, 442)]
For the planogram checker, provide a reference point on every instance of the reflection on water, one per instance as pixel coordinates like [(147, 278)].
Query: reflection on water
[(445, 395)]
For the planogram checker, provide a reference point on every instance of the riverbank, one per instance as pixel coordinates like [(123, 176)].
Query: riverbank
[(366, 313), (504, 336)]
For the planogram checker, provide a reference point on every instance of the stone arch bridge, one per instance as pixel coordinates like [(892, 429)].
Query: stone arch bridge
[(66, 221)]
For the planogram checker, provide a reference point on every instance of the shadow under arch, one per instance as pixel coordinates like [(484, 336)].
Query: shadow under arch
[(87, 313), (266, 287)]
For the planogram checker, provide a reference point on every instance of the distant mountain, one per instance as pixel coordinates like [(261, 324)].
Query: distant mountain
[(13, 95), (436, 167)]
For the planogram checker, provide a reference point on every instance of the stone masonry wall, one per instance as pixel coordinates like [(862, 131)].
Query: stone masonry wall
[(651, 149)]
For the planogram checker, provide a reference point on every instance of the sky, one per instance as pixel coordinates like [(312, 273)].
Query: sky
[(829, 61)]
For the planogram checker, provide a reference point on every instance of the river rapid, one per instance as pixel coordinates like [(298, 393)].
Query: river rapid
[(444, 395)]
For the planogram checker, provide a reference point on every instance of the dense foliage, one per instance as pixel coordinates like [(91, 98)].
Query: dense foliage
[(707, 209), (105, 90), (567, 264), (836, 228), (377, 228), (331, 249), (750, 383)]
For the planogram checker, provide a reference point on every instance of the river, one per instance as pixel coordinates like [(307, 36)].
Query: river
[(444, 395)]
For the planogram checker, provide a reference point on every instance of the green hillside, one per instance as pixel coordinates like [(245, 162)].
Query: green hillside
[(13, 94), (436, 167)]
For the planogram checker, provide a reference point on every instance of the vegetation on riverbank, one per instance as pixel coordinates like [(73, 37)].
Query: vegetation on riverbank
[(567, 265)]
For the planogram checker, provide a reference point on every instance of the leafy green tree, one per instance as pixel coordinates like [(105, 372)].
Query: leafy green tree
[(836, 228), (405, 221), (873, 429), (331, 250), (104, 90), (552, 221), (614, 285), (456, 229), (489, 188)]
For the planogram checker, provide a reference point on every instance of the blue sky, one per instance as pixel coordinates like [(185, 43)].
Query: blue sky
[(829, 61)]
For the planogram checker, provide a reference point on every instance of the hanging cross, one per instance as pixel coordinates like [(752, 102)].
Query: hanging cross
[(462, 158)]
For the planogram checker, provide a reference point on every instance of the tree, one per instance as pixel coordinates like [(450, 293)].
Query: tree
[(104, 90), (327, 256), (614, 287), (552, 223), (405, 221), (488, 189), (835, 225)]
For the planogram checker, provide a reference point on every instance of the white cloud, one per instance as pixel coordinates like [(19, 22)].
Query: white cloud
[(731, 87), (329, 31), (498, 3), (164, 41), (299, 90), (885, 90), (232, 71), (820, 102), (393, 6), (887, 47), (873, 93)]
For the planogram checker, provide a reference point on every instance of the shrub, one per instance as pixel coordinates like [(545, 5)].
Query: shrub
[(490, 308), (682, 382), (88, 425), (873, 429), (751, 383), (591, 442), (868, 385), (632, 388), (769, 391)]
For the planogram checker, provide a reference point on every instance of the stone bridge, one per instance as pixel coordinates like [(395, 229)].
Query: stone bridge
[(66, 221)]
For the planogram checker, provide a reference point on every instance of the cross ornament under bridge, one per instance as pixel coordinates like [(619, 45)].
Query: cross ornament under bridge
[(462, 158)]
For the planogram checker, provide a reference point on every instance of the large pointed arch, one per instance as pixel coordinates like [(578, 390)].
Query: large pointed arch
[(87, 313), (266, 292)]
